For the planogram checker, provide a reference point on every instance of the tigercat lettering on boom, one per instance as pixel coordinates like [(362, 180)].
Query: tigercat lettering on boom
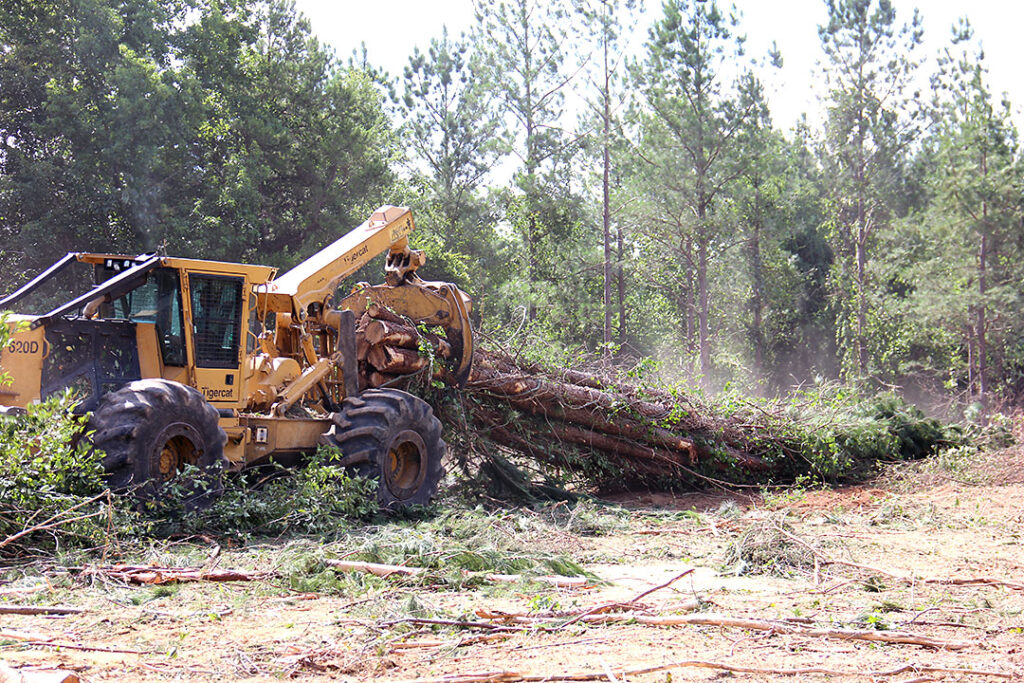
[(356, 254), (218, 394)]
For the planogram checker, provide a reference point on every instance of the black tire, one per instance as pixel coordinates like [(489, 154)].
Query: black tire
[(394, 437), (150, 430)]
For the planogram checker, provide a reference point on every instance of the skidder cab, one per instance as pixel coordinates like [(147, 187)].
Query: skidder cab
[(223, 365)]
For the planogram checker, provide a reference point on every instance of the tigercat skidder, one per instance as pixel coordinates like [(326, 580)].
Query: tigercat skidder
[(184, 362)]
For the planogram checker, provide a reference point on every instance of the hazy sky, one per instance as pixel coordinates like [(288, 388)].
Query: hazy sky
[(390, 29)]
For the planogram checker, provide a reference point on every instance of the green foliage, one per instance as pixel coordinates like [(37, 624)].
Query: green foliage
[(224, 130), (316, 497), (51, 477), (458, 543), (872, 120), (837, 435)]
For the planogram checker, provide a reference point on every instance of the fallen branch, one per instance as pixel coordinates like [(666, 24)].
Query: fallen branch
[(21, 635), (909, 580), (774, 627), (153, 575), (627, 618), (382, 570), (386, 570), (634, 600), (621, 674), (33, 609), (58, 519), (88, 648), (461, 642)]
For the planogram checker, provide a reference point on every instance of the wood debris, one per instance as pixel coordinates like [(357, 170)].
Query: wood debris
[(154, 575), (622, 674), (38, 609), (386, 570)]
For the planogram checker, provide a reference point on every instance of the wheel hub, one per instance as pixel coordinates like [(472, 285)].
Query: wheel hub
[(405, 467), (177, 446)]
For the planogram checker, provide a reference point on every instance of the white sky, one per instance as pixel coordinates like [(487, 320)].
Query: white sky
[(390, 29)]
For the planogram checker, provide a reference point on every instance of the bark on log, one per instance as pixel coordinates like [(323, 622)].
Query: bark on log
[(616, 425), (392, 334), (612, 444), (376, 310), (395, 361), (379, 379), (404, 336), (487, 378)]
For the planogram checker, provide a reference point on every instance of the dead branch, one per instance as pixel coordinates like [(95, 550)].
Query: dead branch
[(34, 609), (599, 619), (382, 570), (633, 601), (21, 635), (461, 642), (58, 520), (621, 674), (87, 648), (774, 627), (153, 575)]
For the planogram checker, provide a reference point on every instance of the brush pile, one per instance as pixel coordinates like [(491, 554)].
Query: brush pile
[(570, 425)]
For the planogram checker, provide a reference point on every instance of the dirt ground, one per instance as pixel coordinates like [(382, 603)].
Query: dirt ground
[(929, 554)]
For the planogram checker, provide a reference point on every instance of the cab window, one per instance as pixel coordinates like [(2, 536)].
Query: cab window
[(156, 301), (217, 319)]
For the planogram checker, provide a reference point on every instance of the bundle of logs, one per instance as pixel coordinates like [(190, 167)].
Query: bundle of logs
[(565, 420)]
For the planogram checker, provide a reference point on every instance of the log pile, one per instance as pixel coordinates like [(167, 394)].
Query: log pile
[(566, 421)]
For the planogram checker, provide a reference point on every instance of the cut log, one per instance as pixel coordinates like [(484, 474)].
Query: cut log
[(395, 361), (381, 312), (616, 425), (379, 379), (612, 444), (392, 334), (488, 378)]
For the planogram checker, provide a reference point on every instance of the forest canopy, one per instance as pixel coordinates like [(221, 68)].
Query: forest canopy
[(636, 202)]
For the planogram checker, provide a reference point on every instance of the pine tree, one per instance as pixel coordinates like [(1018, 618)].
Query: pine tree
[(694, 120), (870, 124)]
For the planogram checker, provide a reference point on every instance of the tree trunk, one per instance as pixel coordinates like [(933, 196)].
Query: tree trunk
[(982, 290), (862, 303), (607, 210), (702, 292), (757, 295), (621, 277)]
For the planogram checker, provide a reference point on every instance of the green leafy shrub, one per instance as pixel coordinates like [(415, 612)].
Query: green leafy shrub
[(319, 497), (50, 477)]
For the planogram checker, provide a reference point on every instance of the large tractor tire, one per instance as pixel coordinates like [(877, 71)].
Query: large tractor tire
[(394, 437), (151, 430)]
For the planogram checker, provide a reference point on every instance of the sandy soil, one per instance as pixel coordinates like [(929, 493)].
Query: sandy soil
[(893, 535)]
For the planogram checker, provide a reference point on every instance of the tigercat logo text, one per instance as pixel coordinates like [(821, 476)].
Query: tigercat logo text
[(353, 256), (217, 394)]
